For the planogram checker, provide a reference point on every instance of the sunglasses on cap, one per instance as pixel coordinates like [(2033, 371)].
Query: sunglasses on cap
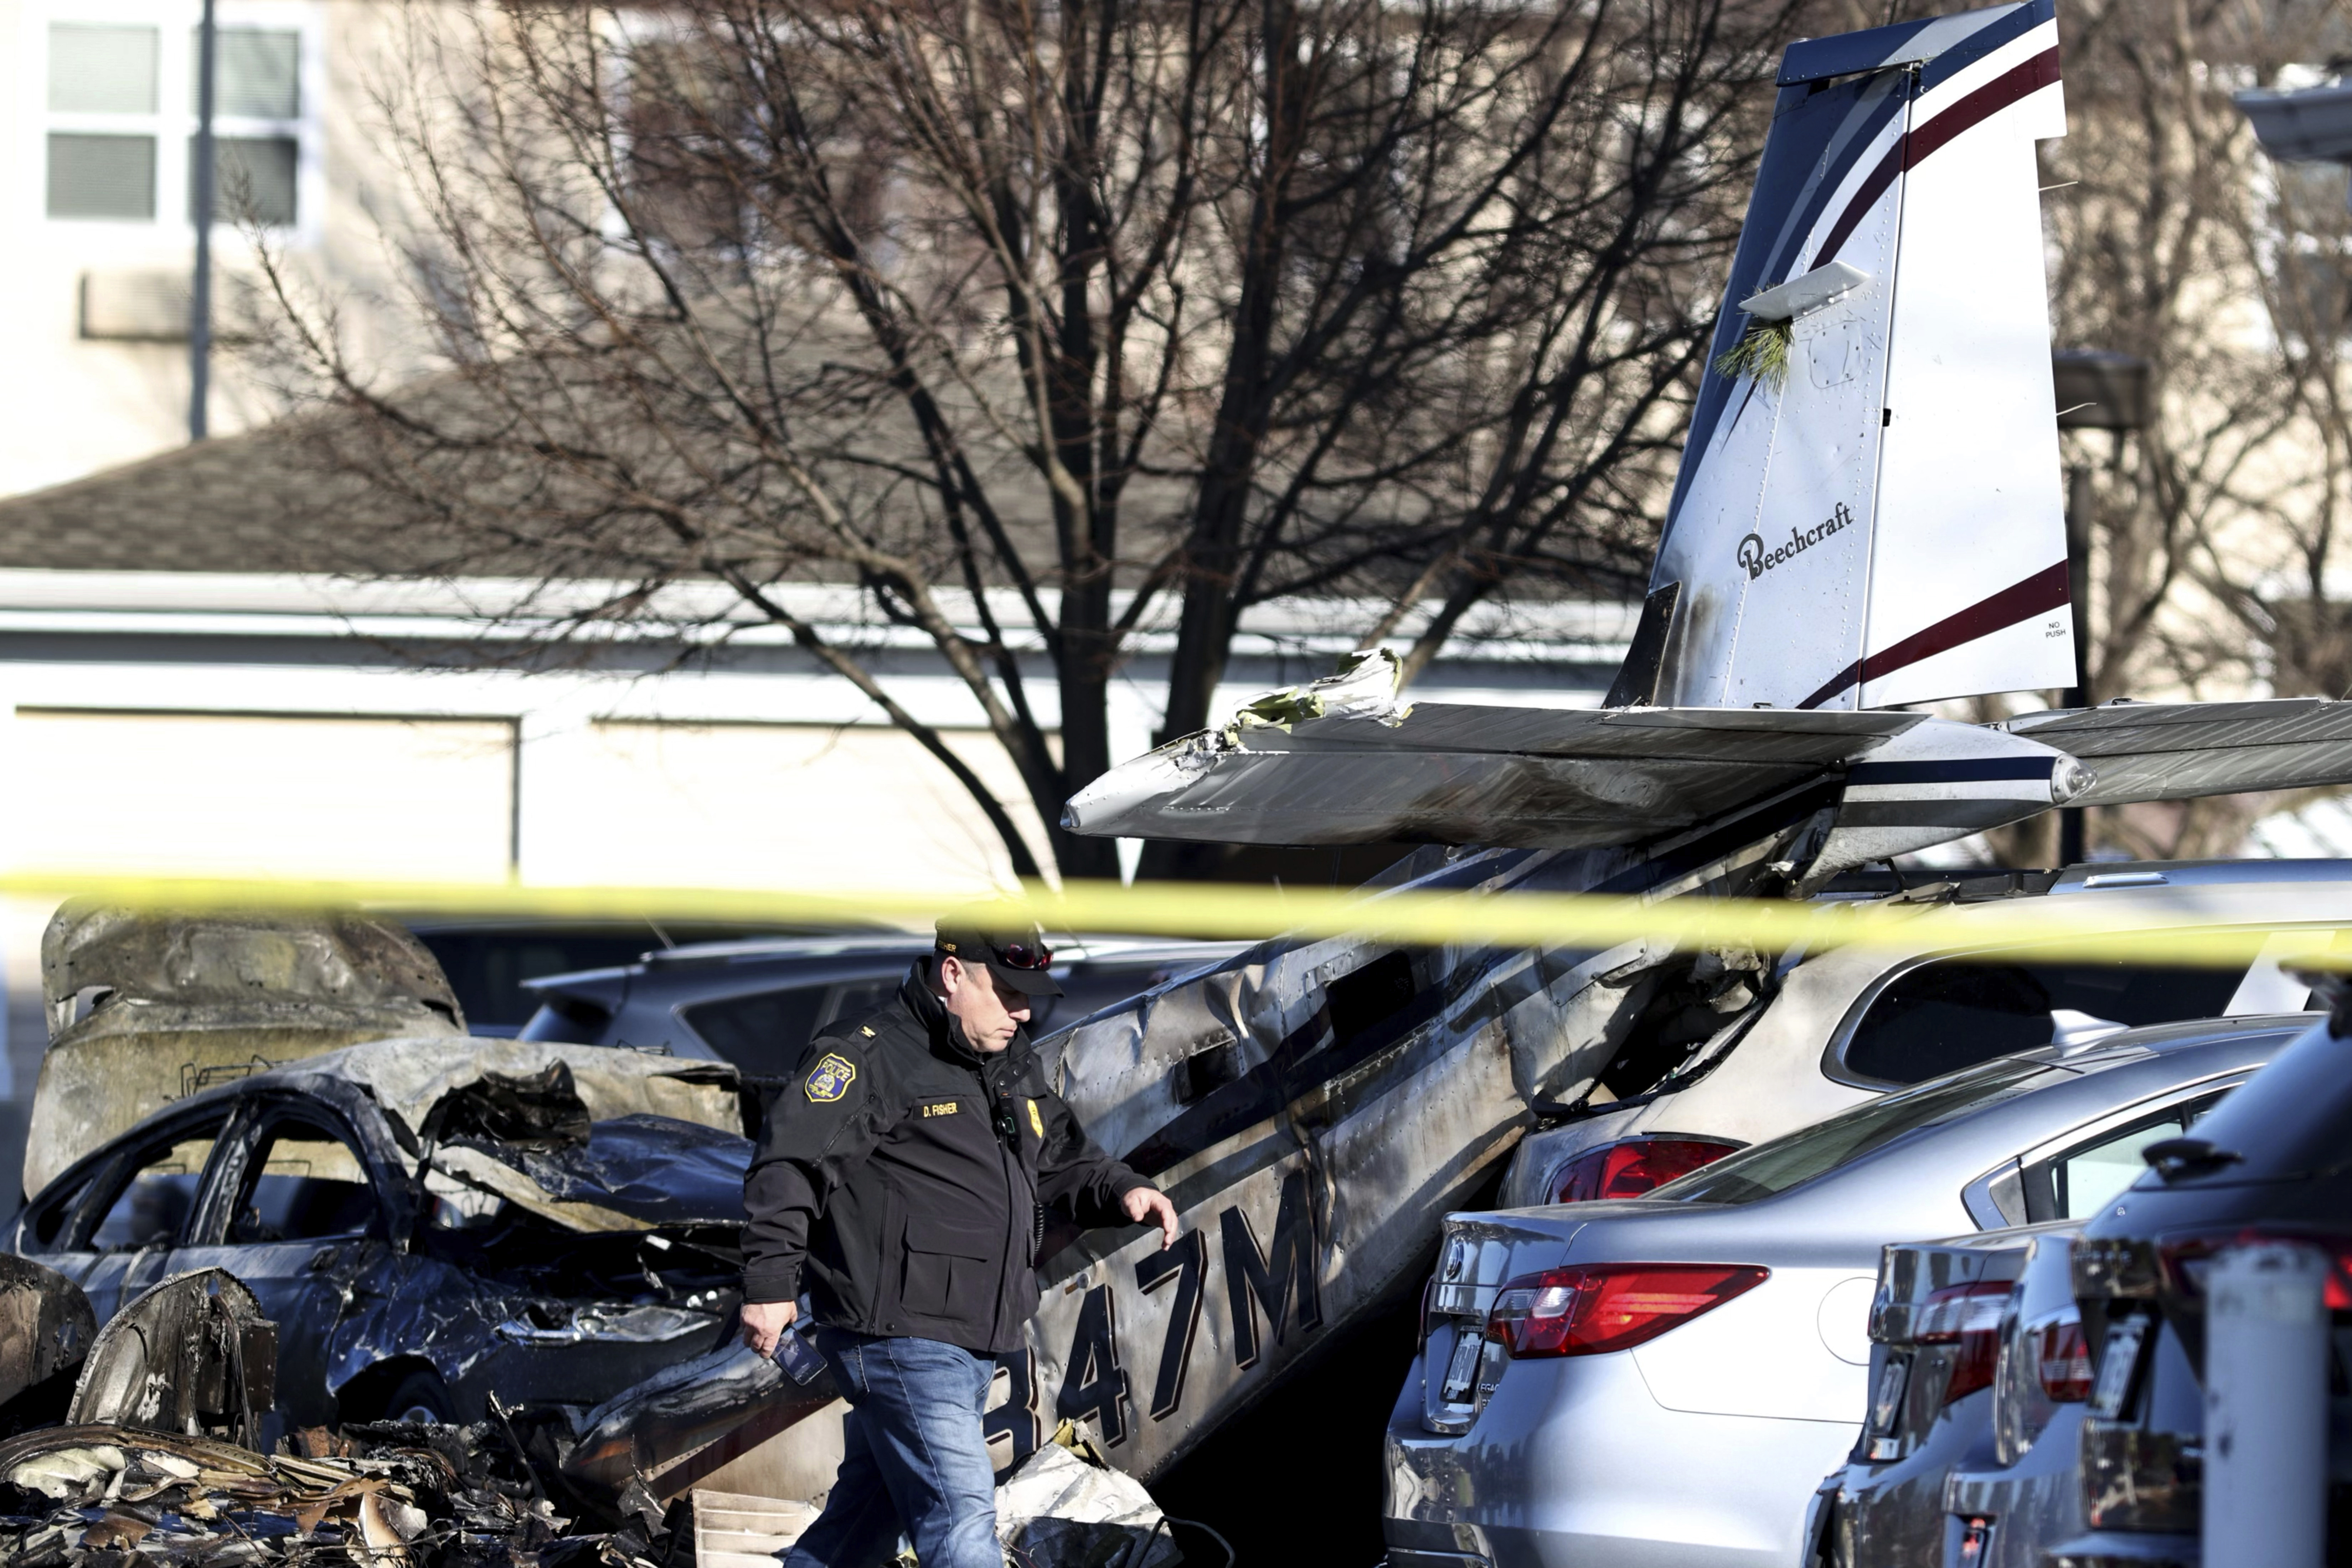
[(1025, 956)]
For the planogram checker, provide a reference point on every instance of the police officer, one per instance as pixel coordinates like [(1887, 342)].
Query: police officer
[(898, 1182)]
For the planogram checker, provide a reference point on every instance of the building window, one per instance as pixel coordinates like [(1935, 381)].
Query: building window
[(102, 176), (257, 114), (99, 70), (258, 73), (102, 166), (253, 179)]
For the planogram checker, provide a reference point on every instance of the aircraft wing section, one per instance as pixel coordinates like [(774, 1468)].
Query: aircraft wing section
[(2179, 751), (1458, 773)]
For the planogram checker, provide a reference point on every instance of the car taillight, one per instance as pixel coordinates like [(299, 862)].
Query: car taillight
[(1968, 1317), (1632, 1166), (1609, 1306), (2184, 1259), (2063, 1359)]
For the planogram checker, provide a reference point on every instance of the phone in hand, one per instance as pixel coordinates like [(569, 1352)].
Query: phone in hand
[(794, 1352), (799, 1358)]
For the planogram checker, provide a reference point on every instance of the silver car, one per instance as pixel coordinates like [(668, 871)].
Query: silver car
[(1665, 1380), (1705, 1070), (2003, 1510), (1951, 1381)]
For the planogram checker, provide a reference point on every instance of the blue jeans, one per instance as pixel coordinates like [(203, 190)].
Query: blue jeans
[(915, 1459)]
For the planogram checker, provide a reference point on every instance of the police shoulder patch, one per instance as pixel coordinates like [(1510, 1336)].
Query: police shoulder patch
[(831, 1079)]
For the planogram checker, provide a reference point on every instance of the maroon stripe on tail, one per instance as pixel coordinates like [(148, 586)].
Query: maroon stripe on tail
[(2045, 590), (1986, 101), (1912, 148), (1865, 196)]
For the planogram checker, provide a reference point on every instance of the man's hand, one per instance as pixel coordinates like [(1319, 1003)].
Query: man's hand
[(1146, 1205), (764, 1322)]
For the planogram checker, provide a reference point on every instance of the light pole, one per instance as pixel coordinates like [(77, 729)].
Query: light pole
[(200, 292), (2097, 390)]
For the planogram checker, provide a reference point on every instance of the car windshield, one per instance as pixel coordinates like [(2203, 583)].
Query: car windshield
[(1777, 1164)]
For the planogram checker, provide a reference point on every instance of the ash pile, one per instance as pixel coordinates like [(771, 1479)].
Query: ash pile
[(107, 1496), (140, 1443)]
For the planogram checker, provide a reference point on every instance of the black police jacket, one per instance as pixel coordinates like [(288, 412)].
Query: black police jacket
[(899, 1177)]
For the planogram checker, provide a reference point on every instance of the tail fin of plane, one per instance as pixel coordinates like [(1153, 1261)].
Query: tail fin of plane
[(1868, 511)]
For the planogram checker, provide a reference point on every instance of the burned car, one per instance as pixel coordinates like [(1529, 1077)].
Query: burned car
[(430, 1221), (147, 1007)]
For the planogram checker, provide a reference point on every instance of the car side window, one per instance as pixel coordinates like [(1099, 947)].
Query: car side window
[(44, 1225), (1953, 1013), (2076, 1183), (302, 1183), (855, 999), (157, 1192), (764, 1033)]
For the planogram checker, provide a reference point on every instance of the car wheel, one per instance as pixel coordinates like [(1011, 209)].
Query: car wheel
[(420, 1395)]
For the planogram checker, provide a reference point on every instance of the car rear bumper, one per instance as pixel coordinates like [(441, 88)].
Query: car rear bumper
[(2026, 1509), (1573, 1465)]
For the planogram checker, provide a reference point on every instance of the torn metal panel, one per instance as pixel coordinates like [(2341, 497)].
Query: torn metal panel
[(484, 1170), (529, 1141), (653, 1170), (194, 1356), (148, 1006), (46, 1325), (539, 1111), (1066, 1506), (258, 965), (677, 1429), (533, 1326), (411, 1077)]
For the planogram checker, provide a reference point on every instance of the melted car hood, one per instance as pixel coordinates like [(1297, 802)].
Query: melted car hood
[(655, 1169)]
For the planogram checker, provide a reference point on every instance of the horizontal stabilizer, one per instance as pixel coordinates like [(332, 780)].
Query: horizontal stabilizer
[(1458, 773), (2181, 751)]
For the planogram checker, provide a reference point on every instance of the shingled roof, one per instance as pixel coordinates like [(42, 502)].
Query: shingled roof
[(273, 499), (276, 500), (241, 503)]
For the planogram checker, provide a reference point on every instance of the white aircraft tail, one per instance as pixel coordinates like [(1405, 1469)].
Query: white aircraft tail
[(1869, 510)]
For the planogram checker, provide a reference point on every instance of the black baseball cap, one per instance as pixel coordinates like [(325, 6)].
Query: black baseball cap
[(1017, 958)]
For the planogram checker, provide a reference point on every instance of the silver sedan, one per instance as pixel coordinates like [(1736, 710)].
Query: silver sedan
[(1665, 1380)]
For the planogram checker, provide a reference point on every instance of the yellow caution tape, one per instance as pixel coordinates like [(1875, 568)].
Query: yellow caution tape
[(2076, 927)]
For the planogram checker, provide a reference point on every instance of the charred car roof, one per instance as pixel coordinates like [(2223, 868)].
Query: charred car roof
[(149, 1007), (589, 1136)]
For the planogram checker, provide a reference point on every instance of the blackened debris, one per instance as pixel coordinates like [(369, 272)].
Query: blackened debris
[(193, 1354), (387, 1495), (538, 1113), (46, 1327), (652, 1168)]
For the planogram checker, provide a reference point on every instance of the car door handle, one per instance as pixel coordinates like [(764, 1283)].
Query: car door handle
[(322, 1261)]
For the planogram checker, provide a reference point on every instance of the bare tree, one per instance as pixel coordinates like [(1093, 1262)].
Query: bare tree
[(1043, 325)]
